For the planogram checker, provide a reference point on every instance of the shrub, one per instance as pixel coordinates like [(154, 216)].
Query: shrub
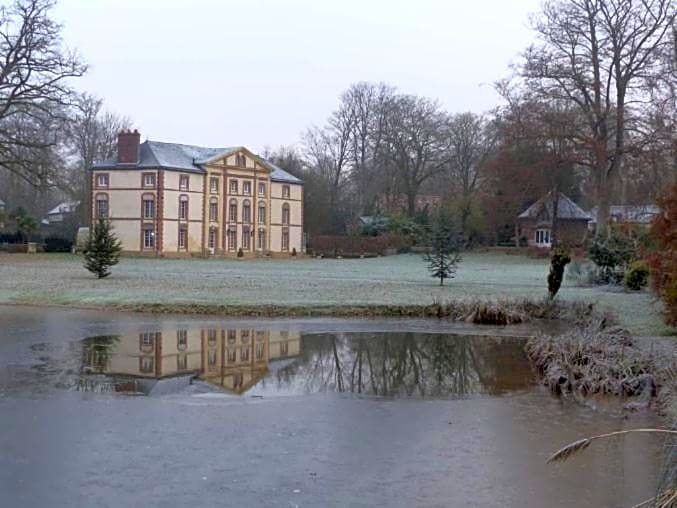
[(613, 254), (663, 259), (240, 252), (637, 276), (58, 244)]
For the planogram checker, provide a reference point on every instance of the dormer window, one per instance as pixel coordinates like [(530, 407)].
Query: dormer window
[(149, 180), (102, 180)]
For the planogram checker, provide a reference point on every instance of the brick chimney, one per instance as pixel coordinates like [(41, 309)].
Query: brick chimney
[(128, 146)]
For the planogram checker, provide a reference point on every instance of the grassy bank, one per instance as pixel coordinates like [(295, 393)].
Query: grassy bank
[(389, 286)]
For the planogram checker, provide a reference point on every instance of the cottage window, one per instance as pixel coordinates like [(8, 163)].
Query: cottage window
[(183, 207), (102, 181), (233, 186), (183, 182), (285, 213), (285, 191), (149, 180), (247, 188), (148, 207), (232, 239), (214, 185), (183, 238), (102, 206), (232, 211), (262, 189), (213, 209), (262, 212), (246, 212), (285, 240), (543, 237), (148, 237)]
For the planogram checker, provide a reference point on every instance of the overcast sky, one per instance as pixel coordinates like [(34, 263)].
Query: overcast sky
[(259, 72)]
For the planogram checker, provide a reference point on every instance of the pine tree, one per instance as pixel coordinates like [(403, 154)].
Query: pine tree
[(103, 249), (442, 255)]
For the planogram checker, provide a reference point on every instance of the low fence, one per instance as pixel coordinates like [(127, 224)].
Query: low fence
[(354, 245)]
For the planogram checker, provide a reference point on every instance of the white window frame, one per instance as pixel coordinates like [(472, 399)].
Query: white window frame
[(102, 181), (148, 238), (542, 237)]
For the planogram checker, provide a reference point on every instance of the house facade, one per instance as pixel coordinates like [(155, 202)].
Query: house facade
[(535, 224), (171, 199)]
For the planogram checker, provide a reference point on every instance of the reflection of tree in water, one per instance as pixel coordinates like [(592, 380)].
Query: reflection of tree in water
[(97, 352), (408, 364)]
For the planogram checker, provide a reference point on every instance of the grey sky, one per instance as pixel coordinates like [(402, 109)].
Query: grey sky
[(258, 72)]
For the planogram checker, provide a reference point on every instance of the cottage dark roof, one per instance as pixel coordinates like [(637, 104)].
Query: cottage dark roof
[(189, 158), (566, 209)]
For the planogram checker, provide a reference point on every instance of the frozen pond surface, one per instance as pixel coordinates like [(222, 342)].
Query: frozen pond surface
[(292, 413)]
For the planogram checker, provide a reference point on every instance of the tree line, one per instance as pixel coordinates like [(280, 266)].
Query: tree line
[(589, 109)]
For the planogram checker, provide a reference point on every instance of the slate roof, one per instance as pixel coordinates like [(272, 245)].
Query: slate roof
[(566, 209), (189, 158), (635, 214)]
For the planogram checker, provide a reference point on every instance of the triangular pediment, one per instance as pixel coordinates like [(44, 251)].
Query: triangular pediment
[(239, 157)]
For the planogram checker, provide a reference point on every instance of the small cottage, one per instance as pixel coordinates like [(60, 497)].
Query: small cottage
[(534, 225)]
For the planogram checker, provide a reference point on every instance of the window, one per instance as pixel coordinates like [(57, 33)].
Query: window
[(284, 348), (233, 186), (285, 191), (183, 182), (148, 237), (214, 184), (232, 211), (182, 362), (244, 354), (262, 189), (183, 238), (246, 212), (102, 206), (241, 160), (244, 336), (146, 341), (247, 188), (285, 213), (260, 348), (262, 213), (183, 207), (211, 337), (543, 237), (147, 364), (102, 180), (261, 240), (232, 239), (238, 381), (246, 236), (213, 209), (212, 239), (181, 340), (148, 207), (148, 180), (211, 358), (260, 335), (285, 240), (232, 334), (232, 355)]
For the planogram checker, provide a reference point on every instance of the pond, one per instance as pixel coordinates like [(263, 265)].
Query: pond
[(105, 409)]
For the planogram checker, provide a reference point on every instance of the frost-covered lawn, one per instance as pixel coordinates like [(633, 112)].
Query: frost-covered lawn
[(398, 280)]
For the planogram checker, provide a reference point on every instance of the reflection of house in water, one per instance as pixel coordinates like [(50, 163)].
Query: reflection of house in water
[(234, 359)]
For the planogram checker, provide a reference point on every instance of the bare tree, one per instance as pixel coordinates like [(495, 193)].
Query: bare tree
[(35, 70), (470, 145), (418, 143), (599, 55)]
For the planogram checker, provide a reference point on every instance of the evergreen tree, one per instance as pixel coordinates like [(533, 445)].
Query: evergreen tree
[(443, 253), (103, 249)]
